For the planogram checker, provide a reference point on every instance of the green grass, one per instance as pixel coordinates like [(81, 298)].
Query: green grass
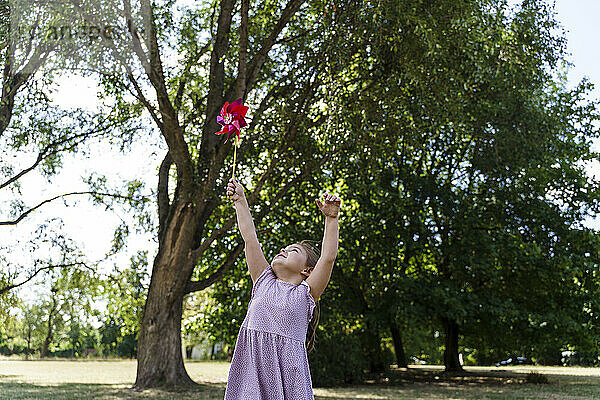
[(74, 380)]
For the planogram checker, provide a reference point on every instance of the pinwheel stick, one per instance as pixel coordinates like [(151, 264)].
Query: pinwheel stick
[(234, 154)]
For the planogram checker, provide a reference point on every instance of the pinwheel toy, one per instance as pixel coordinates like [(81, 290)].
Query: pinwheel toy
[(232, 120)]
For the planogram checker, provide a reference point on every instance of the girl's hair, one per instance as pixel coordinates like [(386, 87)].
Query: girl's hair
[(313, 253)]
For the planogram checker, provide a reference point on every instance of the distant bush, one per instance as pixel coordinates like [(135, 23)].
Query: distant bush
[(337, 359), (580, 358), (12, 347)]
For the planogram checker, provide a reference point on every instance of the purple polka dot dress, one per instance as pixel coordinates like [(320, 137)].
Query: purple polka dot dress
[(270, 360)]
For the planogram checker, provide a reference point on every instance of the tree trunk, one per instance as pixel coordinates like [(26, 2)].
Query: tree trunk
[(28, 335), (160, 355), (398, 347), (451, 361), (373, 348), (47, 341), (160, 359), (49, 334), (6, 110)]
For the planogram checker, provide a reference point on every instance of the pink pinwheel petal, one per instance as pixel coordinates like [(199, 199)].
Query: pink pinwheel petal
[(239, 110), (228, 136), (232, 118)]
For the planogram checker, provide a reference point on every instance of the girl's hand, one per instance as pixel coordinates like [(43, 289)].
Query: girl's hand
[(331, 206), (235, 191)]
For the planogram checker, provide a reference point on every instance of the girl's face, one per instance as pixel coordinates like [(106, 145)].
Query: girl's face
[(292, 257)]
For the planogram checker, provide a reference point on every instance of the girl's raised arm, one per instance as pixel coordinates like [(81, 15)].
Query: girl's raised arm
[(319, 277), (254, 256)]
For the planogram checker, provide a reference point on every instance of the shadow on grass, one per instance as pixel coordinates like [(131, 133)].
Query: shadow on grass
[(404, 377), (77, 391), (398, 384)]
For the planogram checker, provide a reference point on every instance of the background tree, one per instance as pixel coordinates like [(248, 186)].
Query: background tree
[(427, 231), (68, 311), (36, 136), (125, 292)]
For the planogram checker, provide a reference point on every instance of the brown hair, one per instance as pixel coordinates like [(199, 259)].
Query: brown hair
[(313, 254)]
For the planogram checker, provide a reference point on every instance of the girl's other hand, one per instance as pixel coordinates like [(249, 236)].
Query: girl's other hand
[(235, 191), (331, 206)]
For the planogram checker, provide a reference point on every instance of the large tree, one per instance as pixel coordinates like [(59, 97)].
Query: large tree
[(265, 53), (36, 136)]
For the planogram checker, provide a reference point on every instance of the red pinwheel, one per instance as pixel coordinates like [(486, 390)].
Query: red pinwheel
[(232, 119)]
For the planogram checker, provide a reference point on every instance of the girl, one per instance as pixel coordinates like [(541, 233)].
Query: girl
[(270, 360)]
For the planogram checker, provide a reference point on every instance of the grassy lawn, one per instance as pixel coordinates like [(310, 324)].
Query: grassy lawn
[(71, 380)]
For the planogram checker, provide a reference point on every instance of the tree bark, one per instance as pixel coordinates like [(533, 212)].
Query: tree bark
[(161, 340), (373, 348), (160, 358), (451, 361), (29, 332), (49, 334), (398, 347), (13, 80)]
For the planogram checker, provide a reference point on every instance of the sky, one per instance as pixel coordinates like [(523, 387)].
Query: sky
[(92, 227), (580, 19)]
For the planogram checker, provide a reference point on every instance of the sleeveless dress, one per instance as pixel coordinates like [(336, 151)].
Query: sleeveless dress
[(270, 360)]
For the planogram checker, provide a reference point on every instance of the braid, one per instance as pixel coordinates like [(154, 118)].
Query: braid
[(312, 327), (313, 251)]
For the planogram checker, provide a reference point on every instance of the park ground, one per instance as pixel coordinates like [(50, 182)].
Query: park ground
[(112, 379)]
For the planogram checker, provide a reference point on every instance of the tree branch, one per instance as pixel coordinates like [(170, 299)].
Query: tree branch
[(163, 193), (23, 215), (216, 82), (240, 90), (152, 64), (139, 94), (45, 152), (188, 65), (259, 59), (194, 286), (16, 285), (292, 38), (12, 83)]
